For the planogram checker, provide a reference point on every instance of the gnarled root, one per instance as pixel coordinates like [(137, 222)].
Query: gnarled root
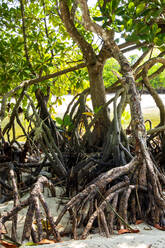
[(109, 201), (33, 201)]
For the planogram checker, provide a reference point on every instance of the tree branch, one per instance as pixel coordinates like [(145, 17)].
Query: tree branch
[(25, 38), (85, 47), (27, 83), (139, 61), (148, 64), (133, 47), (157, 99), (92, 26), (46, 28), (126, 44)]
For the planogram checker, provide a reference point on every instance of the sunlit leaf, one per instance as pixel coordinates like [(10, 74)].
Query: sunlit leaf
[(140, 8), (88, 113), (129, 23), (29, 244), (59, 120), (122, 27), (131, 5)]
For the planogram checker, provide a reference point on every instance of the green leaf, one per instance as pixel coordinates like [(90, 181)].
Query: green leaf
[(97, 109), (115, 4), (129, 23), (154, 27), (67, 121), (4, 5), (100, 18), (113, 17), (28, 244), (88, 113), (131, 5), (140, 8), (122, 27), (59, 121)]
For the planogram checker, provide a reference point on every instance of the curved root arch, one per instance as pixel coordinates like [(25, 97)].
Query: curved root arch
[(33, 201), (111, 200)]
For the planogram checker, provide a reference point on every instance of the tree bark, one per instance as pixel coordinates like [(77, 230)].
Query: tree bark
[(98, 98)]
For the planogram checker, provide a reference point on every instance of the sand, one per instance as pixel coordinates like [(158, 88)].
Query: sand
[(147, 237)]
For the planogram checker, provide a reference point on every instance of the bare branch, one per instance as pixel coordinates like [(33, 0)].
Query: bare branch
[(29, 82), (156, 130), (126, 44), (148, 64), (155, 96), (133, 47), (73, 10), (141, 58)]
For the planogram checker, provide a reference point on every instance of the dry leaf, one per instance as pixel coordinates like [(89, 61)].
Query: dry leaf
[(147, 228), (7, 244), (122, 231), (157, 226), (139, 222), (46, 241), (135, 230)]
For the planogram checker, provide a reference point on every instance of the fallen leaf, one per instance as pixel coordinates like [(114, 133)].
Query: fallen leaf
[(122, 231), (135, 230), (147, 228), (46, 241), (139, 222), (29, 244), (7, 244), (157, 226)]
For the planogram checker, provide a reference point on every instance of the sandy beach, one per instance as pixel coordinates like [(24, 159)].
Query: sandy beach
[(146, 238)]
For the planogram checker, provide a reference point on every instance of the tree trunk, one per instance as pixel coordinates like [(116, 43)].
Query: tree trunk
[(98, 98), (95, 64)]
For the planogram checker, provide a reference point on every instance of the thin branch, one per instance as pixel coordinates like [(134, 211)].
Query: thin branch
[(46, 28), (25, 37), (92, 26), (126, 44), (139, 61), (155, 96), (148, 64), (156, 130), (13, 115), (29, 82), (133, 47), (72, 30)]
